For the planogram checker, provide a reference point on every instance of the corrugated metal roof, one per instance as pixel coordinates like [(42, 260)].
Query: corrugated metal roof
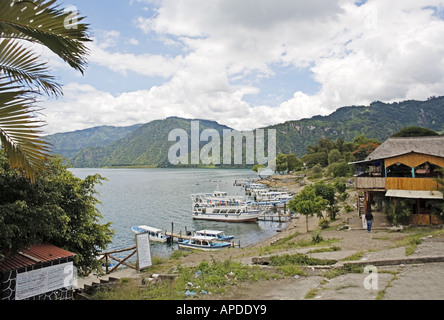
[(36, 254), (409, 194)]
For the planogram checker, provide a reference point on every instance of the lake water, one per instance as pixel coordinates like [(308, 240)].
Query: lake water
[(160, 197)]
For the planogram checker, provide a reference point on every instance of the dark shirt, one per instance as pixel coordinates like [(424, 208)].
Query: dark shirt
[(368, 216)]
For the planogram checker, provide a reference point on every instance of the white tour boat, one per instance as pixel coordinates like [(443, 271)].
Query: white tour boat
[(154, 233), (217, 235), (203, 243), (223, 208)]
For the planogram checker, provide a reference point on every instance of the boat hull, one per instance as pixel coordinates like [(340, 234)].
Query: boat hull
[(185, 245), (226, 218)]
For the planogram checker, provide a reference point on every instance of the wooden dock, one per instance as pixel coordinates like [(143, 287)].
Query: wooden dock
[(275, 217)]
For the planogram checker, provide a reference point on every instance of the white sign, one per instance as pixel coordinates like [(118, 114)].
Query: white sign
[(37, 282), (143, 251)]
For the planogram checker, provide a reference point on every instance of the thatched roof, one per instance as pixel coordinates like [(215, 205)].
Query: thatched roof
[(398, 146)]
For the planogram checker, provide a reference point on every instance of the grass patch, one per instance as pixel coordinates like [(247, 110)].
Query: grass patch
[(198, 281), (357, 256), (311, 294), (347, 268), (414, 238), (299, 259), (329, 249)]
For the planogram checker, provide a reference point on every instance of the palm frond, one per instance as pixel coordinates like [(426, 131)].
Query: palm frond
[(20, 133), (43, 22), (21, 65)]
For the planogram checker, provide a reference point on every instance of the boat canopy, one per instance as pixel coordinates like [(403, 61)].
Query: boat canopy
[(150, 229)]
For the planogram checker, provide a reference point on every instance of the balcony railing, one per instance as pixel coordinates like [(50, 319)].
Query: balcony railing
[(423, 184), (420, 184), (370, 183)]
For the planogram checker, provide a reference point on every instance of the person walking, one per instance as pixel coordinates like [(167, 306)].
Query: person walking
[(369, 219)]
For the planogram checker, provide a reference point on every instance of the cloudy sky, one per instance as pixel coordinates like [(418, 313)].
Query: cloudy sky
[(246, 63)]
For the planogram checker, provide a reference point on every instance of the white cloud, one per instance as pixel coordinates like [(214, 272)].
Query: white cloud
[(381, 50)]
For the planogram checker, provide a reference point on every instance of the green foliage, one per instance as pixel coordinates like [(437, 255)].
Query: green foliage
[(323, 224), (399, 211), (58, 208), (308, 203), (342, 169), (313, 159), (69, 144), (257, 167), (299, 259), (326, 191), (288, 162), (415, 132), (147, 145), (24, 75)]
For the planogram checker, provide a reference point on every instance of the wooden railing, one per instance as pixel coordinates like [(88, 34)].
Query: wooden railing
[(370, 183), (422, 184), (109, 255)]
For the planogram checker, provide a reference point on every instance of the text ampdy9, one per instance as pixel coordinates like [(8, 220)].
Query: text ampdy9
[(254, 146)]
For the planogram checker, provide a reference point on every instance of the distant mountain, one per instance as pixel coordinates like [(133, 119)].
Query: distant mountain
[(379, 120), (148, 145), (70, 143)]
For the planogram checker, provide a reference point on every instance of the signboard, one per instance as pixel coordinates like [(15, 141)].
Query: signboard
[(143, 251), (37, 282)]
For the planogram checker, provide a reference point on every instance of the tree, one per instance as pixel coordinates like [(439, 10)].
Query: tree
[(327, 192), (257, 167), (364, 150), (58, 208), (281, 163), (308, 203), (334, 156), (312, 159), (293, 163), (23, 76), (415, 132)]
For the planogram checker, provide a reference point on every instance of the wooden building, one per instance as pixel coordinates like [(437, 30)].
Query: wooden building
[(401, 169)]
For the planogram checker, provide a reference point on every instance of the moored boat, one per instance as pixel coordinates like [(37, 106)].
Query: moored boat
[(218, 235), (154, 233), (203, 243), (223, 208), (226, 213)]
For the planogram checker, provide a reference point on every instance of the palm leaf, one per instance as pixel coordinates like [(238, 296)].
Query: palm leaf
[(42, 22), (21, 65), (20, 130)]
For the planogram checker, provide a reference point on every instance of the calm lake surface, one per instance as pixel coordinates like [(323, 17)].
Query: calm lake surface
[(160, 197)]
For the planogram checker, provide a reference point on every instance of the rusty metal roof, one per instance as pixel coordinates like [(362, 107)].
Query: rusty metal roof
[(34, 255)]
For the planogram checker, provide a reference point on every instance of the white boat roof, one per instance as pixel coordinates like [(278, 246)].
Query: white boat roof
[(209, 232), (150, 229), (203, 238)]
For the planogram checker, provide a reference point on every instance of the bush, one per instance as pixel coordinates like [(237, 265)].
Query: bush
[(324, 224), (317, 238)]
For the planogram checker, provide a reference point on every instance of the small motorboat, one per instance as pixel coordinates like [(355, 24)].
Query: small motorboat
[(203, 243), (218, 235), (154, 233)]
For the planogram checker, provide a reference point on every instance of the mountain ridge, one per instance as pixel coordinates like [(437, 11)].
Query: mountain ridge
[(148, 145)]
